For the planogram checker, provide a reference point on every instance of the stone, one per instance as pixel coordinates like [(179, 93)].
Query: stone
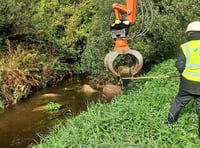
[(88, 89), (110, 91), (51, 95), (124, 71)]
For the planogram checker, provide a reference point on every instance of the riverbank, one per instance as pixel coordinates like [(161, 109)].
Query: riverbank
[(133, 119), (25, 71)]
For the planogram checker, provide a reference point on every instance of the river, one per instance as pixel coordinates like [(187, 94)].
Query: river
[(20, 125)]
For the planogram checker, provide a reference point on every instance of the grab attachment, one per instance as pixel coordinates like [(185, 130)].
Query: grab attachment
[(125, 17), (122, 48)]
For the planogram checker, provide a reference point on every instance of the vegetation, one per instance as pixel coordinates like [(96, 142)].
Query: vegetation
[(23, 71), (135, 119), (41, 41), (44, 40), (52, 107)]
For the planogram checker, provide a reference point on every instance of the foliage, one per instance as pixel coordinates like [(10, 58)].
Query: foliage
[(28, 69), (69, 25), (76, 35), (7, 20), (99, 42), (79, 31), (168, 29), (132, 120), (161, 42), (52, 107), (34, 59), (14, 16)]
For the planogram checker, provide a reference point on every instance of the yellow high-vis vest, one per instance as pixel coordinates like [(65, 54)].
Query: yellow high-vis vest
[(191, 51)]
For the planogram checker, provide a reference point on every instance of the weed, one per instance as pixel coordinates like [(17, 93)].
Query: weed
[(52, 107)]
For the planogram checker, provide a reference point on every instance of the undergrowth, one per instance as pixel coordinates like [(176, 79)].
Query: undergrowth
[(25, 70)]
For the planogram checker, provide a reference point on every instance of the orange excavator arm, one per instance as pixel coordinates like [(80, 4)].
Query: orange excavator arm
[(129, 9), (125, 17)]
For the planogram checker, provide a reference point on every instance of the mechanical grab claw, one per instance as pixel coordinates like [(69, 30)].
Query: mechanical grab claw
[(123, 49), (119, 31)]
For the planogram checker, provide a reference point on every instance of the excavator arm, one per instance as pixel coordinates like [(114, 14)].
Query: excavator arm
[(119, 31), (129, 9)]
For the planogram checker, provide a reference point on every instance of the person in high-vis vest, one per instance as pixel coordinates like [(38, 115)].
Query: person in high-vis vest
[(188, 65)]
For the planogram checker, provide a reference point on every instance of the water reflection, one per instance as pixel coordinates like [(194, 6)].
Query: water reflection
[(20, 125)]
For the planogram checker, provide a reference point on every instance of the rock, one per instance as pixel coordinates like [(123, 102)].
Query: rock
[(92, 84), (110, 91), (39, 108), (124, 71), (51, 95), (88, 89), (97, 85)]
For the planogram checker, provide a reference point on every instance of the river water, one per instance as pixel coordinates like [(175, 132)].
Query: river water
[(21, 125)]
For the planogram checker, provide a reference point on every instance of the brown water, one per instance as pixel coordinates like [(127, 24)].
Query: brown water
[(20, 126)]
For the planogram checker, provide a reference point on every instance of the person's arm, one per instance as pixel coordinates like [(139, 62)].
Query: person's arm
[(181, 60)]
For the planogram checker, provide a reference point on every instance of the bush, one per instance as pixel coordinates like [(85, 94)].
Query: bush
[(25, 70)]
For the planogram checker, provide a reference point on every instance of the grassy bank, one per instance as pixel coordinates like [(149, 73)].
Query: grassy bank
[(134, 119)]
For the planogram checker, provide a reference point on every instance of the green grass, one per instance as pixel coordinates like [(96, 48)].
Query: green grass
[(135, 119), (52, 107)]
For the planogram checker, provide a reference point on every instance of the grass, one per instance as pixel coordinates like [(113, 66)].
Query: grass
[(135, 119), (52, 107)]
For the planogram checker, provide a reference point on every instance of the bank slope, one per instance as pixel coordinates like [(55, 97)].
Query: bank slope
[(133, 119)]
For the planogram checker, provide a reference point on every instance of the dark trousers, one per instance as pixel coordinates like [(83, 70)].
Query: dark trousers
[(181, 100)]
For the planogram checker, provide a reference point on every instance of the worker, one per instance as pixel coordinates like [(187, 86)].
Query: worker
[(188, 65)]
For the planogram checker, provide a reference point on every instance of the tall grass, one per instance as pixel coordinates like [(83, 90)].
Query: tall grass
[(135, 119), (25, 70)]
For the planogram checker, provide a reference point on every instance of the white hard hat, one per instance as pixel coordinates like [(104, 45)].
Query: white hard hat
[(193, 26)]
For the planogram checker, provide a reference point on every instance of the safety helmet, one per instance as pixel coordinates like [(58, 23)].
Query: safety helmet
[(193, 26)]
